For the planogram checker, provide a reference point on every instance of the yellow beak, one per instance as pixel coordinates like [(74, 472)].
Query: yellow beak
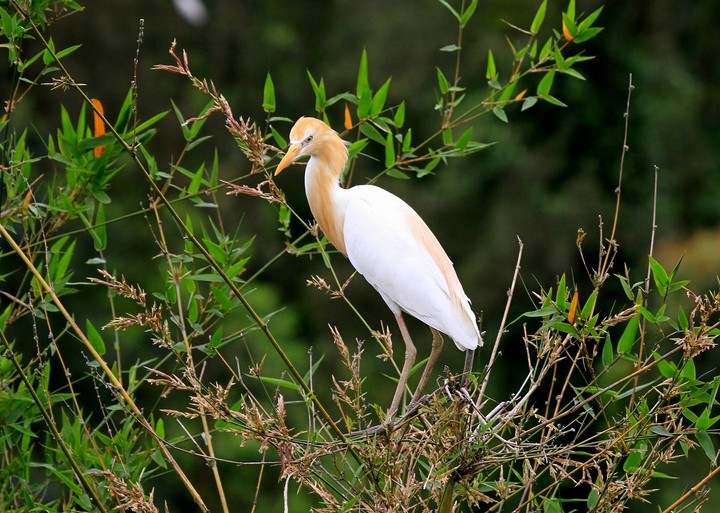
[(289, 158)]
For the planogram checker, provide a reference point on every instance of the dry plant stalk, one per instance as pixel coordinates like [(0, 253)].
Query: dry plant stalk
[(246, 133)]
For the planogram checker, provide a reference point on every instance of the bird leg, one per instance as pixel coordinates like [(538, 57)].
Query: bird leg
[(437, 344), (410, 353), (467, 367), (469, 356)]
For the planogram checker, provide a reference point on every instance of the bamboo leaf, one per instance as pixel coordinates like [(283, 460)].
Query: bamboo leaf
[(379, 98), (500, 114), (607, 353), (399, 119), (442, 82), (491, 71), (545, 84), (94, 337), (468, 13), (539, 18), (451, 9), (660, 276), (268, 104), (389, 151), (627, 340)]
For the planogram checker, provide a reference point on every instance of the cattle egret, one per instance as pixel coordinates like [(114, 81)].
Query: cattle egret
[(390, 245)]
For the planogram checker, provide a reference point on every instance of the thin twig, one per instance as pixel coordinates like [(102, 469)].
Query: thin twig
[(625, 148), (643, 327), (501, 330)]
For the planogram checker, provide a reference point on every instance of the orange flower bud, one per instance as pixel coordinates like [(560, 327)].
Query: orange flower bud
[(98, 126), (348, 118)]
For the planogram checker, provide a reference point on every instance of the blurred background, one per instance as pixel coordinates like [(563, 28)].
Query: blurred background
[(553, 170)]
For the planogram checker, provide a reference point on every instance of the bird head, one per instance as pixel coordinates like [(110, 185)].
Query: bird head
[(308, 137)]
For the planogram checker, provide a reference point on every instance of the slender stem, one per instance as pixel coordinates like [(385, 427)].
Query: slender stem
[(612, 245), (641, 348), (501, 330)]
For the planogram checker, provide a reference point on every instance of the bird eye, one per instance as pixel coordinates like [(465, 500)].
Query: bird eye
[(308, 139)]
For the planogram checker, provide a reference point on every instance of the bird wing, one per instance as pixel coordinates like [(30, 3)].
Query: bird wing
[(391, 246)]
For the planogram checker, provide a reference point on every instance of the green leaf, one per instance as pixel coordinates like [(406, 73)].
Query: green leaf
[(268, 104), (570, 13), (357, 146), (551, 505), (399, 119), (554, 101), (451, 9), (539, 18), (319, 91), (528, 102), (666, 368), (607, 353), (48, 53), (660, 431), (160, 428), (660, 276), (706, 443), (379, 98), (704, 421), (396, 173), (632, 462), (311, 372), (468, 13), (429, 167), (67, 51), (573, 73), (588, 34), (389, 151), (585, 30), (94, 337), (560, 294), (682, 320), (542, 312), (464, 139), (279, 382), (370, 131), (545, 84), (450, 48), (407, 141), (688, 370), (491, 71), (279, 139), (593, 497), (363, 83), (627, 340), (589, 306), (500, 114), (442, 82)]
